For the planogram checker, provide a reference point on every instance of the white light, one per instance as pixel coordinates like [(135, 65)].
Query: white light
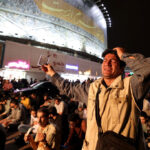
[(73, 67), (88, 72), (13, 73), (80, 72), (18, 64)]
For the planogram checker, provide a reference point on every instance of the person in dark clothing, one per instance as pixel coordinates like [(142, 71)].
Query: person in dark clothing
[(77, 132), (61, 125), (36, 99)]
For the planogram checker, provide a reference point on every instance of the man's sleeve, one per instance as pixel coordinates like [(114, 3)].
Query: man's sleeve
[(73, 90), (140, 81)]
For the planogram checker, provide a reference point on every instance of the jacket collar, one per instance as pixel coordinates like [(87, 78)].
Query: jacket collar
[(117, 83)]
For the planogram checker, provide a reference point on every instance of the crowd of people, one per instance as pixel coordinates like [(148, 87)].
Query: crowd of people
[(62, 119)]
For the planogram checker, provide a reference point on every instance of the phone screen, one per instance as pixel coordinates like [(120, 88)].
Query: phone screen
[(44, 59)]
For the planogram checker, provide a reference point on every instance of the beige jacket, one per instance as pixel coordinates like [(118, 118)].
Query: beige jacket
[(120, 104), (116, 104)]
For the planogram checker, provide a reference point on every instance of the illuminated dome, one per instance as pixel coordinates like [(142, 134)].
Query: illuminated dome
[(70, 24)]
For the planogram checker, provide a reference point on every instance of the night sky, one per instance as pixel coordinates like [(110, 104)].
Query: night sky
[(130, 25)]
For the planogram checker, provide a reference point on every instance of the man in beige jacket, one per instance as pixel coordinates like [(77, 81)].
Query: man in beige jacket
[(120, 99)]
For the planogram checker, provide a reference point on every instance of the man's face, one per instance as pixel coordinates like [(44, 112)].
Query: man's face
[(12, 105), (45, 97), (72, 124), (33, 96), (111, 67), (43, 121), (57, 102), (143, 120), (23, 97)]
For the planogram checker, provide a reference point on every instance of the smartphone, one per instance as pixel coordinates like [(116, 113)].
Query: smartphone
[(43, 59)]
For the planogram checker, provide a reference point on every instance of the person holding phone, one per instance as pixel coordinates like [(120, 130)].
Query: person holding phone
[(120, 97)]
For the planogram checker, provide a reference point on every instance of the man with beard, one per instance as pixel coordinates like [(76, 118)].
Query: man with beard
[(46, 133)]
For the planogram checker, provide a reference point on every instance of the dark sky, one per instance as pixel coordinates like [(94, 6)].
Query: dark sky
[(130, 25)]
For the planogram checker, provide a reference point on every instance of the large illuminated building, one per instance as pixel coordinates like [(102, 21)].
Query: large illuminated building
[(72, 34)]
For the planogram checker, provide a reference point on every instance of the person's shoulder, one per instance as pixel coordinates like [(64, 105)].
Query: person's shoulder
[(96, 82), (51, 127), (127, 79)]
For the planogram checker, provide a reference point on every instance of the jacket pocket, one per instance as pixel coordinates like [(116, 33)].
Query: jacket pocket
[(117, 108)]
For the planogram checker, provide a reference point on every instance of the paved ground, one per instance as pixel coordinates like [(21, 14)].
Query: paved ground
[(11, 145)]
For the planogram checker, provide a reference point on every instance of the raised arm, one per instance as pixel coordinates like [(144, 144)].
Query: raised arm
[(73, 90), (140, 81)]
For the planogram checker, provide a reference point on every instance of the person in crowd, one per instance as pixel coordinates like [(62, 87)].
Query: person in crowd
[(31, 81), (62, 109), (7, 86), (35, 81), (45, 138), (45, 102), (56, 119), (72, 105), (146, 104), (120, 98), (146, 127), (84, 111), (36, 99), (25, 101), (16, 96), (60, 106), (16, 116), (48, 102), (23, 128), (6, 103), (145, 124), (79, 110), (77, 132), (24, 83), (20, 84), (33, 122), (14, 83)]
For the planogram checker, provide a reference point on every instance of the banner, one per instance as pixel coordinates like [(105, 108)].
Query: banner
[(67, 12), (27, 58)]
